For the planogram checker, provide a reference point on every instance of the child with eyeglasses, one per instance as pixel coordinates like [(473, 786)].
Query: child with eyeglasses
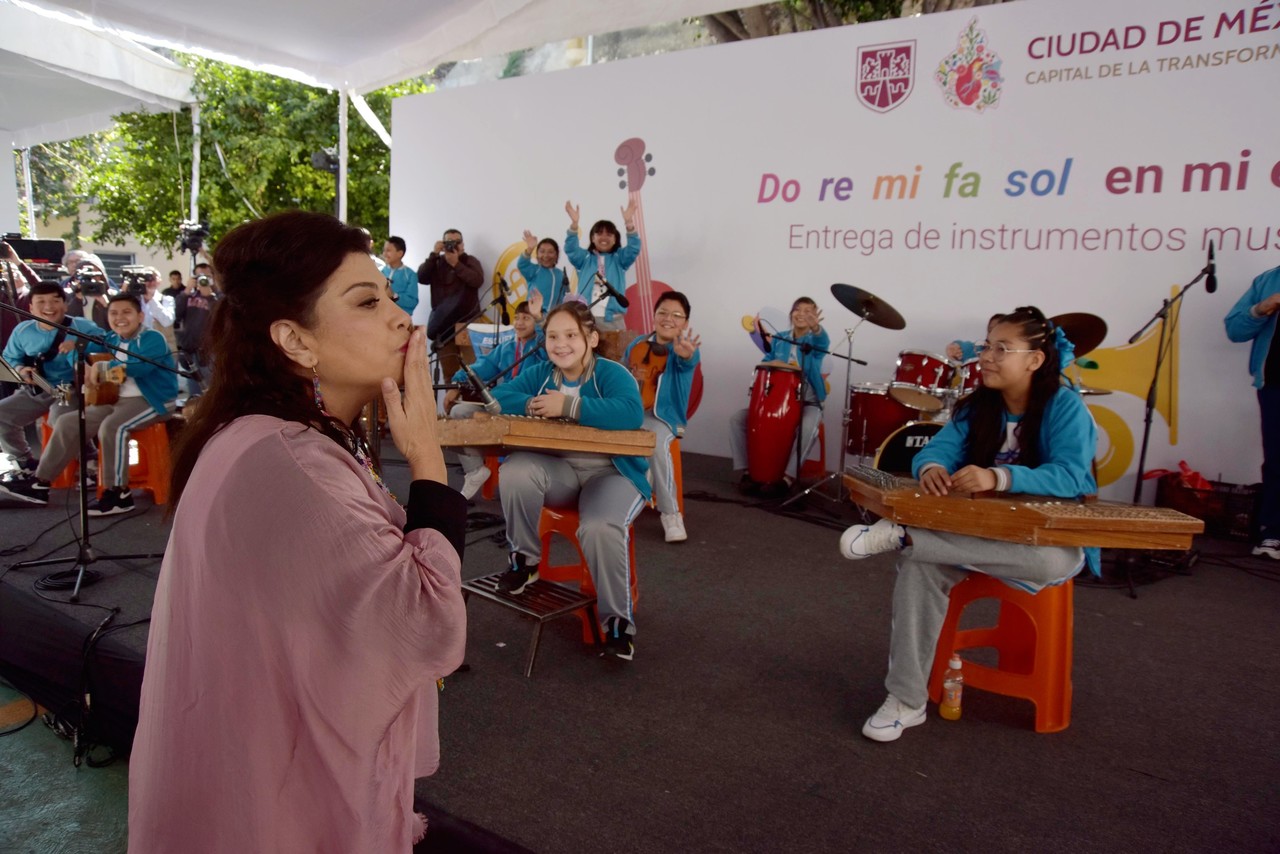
[(1023, 431), (663, 364)]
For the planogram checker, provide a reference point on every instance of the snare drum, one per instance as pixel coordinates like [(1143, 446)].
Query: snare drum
[(873, 415), (970, 376), (899, 450), (773, 416), (920, 379)]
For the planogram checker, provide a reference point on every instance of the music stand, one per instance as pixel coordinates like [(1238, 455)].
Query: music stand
[(85, 555)]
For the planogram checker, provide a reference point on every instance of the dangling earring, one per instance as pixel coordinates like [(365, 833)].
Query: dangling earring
[(315, 385)]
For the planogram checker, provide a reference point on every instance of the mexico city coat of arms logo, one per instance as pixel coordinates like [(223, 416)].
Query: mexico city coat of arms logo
[(886, 73), (970, 76)]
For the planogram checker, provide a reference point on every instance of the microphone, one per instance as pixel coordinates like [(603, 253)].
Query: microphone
[(612, 291), (1211, 282), (491, 404)]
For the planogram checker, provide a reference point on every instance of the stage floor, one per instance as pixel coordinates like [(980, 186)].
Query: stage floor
[(759, 655)]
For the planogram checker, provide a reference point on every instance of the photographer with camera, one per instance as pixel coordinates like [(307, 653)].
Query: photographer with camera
[(88, 286), (191, 310), (455, 279), (158, 310)]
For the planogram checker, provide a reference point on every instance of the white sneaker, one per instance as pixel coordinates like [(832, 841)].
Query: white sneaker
[(862, 541), (1268, 548), (891, 719), (673, 527), (473, 481)]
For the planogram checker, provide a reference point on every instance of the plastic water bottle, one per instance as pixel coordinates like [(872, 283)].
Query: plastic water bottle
[(952, 688)]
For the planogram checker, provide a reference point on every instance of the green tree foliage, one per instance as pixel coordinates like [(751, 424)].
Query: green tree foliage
[(793, 16), (267, 128), (58, 169)]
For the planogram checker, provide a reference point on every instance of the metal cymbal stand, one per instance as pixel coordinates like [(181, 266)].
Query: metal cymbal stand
[(838, 474)]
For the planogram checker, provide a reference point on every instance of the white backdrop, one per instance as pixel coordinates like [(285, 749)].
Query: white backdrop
[(1136, 85)]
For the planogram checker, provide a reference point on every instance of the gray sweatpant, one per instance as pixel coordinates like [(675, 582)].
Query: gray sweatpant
[(607, 504), (19, 410), (470, 458), (660, 466), (111, 424), (928, 569), (810, 418)]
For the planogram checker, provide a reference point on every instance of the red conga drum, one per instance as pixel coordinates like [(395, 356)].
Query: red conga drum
[(773, 416)]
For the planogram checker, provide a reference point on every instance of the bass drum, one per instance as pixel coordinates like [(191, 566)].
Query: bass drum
[(899, 450)]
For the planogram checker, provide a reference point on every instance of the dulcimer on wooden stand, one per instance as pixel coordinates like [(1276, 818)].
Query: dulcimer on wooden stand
[(1031, 519), (500, 433)]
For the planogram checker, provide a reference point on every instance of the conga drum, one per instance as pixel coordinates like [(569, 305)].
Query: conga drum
[(773, 417)]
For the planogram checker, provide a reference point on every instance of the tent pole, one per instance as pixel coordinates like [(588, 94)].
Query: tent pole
[(342, 155), (194, 216)]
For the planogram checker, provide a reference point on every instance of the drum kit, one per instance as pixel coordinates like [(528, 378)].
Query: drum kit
[(886, 424)]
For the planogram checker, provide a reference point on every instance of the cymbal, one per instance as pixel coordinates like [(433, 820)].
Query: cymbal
[(1086, 331), (868, 305)]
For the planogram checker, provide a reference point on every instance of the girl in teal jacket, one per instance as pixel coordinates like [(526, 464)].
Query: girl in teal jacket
[(1021, 431), (608, 492), (606, 256)]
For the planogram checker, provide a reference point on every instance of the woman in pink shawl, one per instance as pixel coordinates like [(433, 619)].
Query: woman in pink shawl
[(302, 615)]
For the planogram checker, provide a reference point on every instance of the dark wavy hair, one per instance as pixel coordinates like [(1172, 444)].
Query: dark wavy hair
[(984, 408), (607, 227), (271, 269)]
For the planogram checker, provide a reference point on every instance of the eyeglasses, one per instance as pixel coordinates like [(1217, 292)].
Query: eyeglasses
[(999, 350), (673, 315)]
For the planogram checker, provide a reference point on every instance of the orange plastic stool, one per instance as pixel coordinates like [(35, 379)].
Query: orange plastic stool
[(490, 489), (565, 523), (1033, 637), (151, 472), (818, 467), (67, 478)]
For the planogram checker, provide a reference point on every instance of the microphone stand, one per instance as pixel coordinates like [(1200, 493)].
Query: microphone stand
[(85, 555), (1162, 316), (846, 418), (1167, 306)]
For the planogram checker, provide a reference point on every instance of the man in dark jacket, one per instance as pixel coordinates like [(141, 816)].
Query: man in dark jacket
[(455, 279)]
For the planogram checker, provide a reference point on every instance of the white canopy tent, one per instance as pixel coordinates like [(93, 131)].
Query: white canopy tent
[(325, 43), (63, 80)]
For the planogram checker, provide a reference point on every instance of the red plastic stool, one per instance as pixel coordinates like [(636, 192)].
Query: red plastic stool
[(152, 470), (68, 477), (1033, 638), (565, 523), (818, 467)]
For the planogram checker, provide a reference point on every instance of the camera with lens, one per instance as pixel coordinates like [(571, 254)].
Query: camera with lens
[(91, 281), (204, 282), (134, 278), (451, 246), (191, 236)]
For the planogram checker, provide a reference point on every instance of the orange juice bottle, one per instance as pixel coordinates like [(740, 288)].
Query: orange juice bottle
[(952, 688)]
